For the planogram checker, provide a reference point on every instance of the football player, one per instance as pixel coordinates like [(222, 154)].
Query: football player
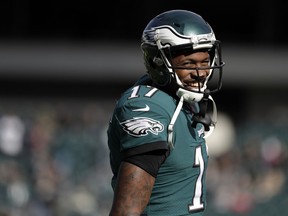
[(156, 136)]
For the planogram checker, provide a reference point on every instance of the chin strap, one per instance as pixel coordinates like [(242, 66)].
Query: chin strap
[(213, 119), (172, 122), (209, 122)]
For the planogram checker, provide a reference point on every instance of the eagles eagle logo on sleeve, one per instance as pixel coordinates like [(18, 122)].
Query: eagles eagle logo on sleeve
[(140, 126)]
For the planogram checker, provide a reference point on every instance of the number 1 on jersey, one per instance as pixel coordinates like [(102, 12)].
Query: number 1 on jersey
[(197, 203)]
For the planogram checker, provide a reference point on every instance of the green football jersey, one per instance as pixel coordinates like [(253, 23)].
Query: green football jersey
[(141, 117)]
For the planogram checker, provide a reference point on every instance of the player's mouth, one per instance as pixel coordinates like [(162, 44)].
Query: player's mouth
[(193, 85)]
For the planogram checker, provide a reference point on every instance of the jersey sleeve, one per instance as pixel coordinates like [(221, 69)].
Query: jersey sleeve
[(143, 122)]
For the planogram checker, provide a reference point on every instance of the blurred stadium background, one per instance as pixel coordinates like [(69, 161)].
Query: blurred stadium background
[(64, 63)]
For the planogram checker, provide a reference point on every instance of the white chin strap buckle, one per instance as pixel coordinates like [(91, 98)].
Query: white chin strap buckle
[(189, 96), (176, 113)]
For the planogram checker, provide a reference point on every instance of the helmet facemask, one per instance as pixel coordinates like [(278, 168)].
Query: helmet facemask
[(211, 83)]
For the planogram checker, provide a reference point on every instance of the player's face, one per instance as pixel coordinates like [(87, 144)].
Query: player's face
[(191, 75)]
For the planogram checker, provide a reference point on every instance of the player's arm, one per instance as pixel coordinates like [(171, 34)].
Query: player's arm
[(132, 192)]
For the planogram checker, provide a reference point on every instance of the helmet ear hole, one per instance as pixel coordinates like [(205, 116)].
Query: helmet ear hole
[(158, 61), (152, 63), (158, 72), (163, 77), (156, 68)]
